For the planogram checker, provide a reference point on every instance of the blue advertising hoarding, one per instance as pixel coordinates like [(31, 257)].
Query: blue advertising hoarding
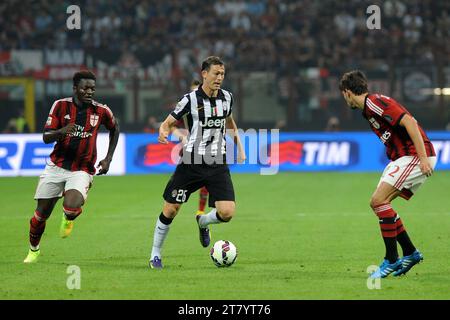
[(342, 151), (26, 154)]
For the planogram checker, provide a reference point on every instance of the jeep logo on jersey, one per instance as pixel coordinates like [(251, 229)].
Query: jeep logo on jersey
[(93, 120), (374, 123), (211, 123)]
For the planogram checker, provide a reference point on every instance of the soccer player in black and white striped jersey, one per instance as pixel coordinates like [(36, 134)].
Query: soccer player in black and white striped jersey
[(208, 111), (179, 130)]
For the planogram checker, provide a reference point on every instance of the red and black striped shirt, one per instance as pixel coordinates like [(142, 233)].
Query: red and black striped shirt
[(384, 115), (79, 150)]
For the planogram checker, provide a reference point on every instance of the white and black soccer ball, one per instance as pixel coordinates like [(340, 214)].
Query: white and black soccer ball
[(223, 253)]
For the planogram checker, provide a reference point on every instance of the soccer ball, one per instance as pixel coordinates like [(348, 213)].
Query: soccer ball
[(223, 253)]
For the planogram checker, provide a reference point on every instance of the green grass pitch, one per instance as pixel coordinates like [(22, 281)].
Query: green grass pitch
[(299, 236)]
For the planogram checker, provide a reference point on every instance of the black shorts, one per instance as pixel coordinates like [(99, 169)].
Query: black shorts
[(188, 178)]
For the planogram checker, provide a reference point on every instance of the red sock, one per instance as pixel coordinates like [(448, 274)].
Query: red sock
[(399, 225), (72, 213), (203, 198), (387, 221), (37, 227)]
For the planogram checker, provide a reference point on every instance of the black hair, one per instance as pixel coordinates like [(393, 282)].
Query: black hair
[(211, 60), (83, 74), (355, 81)]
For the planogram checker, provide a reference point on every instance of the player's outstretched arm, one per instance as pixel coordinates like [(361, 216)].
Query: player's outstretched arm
[(165, 129), (54, 135), (114, 134), (233, 131), (412, 128)]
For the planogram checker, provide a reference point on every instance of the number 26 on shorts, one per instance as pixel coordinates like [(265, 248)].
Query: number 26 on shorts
[(181, 196)]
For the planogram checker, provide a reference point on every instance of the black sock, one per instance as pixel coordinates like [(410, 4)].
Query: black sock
[(389, 232), (391, 249), (164, 219), (406, 244)]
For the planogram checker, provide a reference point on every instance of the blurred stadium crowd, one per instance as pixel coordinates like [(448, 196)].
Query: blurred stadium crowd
[(251, 35)]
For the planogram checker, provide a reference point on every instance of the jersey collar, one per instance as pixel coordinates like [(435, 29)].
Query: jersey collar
[(365, 102), (204, 95), (201, 92)]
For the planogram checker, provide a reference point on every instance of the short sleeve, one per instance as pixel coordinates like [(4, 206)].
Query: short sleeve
[(108, 119), (231, 103), (392, 112), (182, 108), (229, 100), (53, 121)]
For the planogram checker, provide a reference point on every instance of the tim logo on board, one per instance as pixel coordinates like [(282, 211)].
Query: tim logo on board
[(313, 155)]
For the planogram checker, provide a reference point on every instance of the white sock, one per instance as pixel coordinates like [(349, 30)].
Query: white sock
[(34, 248), (160, 234), (209, 218)]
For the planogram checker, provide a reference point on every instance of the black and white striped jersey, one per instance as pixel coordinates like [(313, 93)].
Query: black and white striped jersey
[(205, 118)]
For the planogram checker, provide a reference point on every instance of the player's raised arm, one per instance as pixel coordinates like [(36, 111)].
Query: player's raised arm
[(233, 130), (165, 129), (412, 128)]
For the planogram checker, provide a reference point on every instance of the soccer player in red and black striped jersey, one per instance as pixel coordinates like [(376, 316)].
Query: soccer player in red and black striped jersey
[(74, 124), (412, 160)]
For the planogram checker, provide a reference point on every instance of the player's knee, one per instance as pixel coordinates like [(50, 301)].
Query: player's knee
[(73, 203), (41, 214), (376, 201), (170, 210), (44, 211), (73, 199)]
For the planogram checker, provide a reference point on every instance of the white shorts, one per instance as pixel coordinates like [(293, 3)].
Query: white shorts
[(404, 174), (55, 180)]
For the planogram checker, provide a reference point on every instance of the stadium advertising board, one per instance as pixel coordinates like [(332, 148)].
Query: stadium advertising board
[(27, 154), (343, 151), (441, 143)]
